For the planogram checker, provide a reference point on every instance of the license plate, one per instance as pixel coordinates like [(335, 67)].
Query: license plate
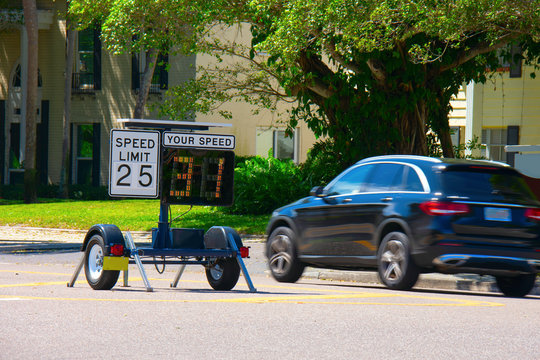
[(497, 214)]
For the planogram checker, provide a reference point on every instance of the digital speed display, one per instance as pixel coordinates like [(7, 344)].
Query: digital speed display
[(198, 177)]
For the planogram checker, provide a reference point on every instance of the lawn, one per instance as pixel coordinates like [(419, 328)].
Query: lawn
[(126, 214)]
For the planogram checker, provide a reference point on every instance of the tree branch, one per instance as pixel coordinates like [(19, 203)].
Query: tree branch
[(471, 54)]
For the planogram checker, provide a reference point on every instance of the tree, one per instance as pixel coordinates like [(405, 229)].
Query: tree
[(30, 172), (70, 54), (371, 76)]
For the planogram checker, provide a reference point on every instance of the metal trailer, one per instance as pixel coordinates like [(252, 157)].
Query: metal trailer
[(169, 160)]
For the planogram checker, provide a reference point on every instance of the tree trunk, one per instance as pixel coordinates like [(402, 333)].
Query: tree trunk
[(30, 173), (70, 52), (144, 89)]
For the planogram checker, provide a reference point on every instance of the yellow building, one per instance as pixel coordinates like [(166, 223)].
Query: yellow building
[(505, 111), (104, 89)]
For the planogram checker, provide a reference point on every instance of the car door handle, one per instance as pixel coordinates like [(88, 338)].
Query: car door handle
[(387, 199), (346, 200)]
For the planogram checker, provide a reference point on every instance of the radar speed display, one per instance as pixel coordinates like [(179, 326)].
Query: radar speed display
[(134, 163)]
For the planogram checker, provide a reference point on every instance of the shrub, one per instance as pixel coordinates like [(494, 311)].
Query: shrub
[(264, 184)]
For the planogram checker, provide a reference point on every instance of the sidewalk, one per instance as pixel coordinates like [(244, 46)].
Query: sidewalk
[(15, 238)]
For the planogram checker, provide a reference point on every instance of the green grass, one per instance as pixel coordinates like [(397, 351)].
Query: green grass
[(126, 214)]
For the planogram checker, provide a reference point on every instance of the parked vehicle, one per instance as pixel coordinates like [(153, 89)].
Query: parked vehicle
[(406, 215)]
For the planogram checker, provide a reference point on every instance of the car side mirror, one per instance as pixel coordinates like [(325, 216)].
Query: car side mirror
[(317, 191)]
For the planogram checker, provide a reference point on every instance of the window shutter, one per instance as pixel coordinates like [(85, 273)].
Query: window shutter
[(163, 61), (2, 136), (135, 77), (512, 139), (42, 156), (97, 60), (96, 150), (70, 172)]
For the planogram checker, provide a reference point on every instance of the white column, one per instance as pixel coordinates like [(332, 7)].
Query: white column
[(474, 113)]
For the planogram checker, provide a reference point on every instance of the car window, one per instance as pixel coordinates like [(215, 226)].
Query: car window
[(351, 182), (473, 182), (385, 177), (412, 181)]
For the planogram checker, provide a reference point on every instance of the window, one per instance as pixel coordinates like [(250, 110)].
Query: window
[(350, 182), (385, 177), (495, 140), (18, 77), (86, 154), (87, 75), (282, 146), (510, 60), (160, 79), (412, 181)]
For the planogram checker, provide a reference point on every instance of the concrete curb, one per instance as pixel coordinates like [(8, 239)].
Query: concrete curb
[(475, 283)]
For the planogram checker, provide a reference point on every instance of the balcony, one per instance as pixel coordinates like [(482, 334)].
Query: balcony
[(83, 83)]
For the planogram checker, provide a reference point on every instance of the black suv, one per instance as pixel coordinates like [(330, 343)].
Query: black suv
[(405, 215)]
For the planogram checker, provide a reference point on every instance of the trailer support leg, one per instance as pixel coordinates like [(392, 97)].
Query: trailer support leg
[(232, 244), (125, 278), (178, 275), (135, 254), (77, 272)]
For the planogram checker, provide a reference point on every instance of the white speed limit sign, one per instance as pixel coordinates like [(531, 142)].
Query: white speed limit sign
[(134, 163)]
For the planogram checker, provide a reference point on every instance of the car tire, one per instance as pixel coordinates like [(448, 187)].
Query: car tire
[(223, 274), (516, 286), (396, 267), (98, 278), (282, 255)]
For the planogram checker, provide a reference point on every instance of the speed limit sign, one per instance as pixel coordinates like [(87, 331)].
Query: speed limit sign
[(134, 163)]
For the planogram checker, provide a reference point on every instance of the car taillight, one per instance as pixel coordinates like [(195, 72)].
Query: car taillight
[(441, 208), (533, 214), (244, 252), (117, 250)]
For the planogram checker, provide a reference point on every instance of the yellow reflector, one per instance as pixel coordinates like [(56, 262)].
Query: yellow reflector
[(115, 263)]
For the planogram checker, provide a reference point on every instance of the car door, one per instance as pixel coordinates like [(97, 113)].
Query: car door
[(317, 228), (354, 218)]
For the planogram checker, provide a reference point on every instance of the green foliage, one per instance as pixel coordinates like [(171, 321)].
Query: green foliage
[(461, 151), (141, 215), (321, 165), (264, 184)]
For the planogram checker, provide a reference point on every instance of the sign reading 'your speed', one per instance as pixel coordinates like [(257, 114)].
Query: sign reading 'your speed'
[(134, 163)]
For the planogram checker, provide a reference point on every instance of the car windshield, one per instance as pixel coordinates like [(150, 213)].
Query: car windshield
[(485, 182)]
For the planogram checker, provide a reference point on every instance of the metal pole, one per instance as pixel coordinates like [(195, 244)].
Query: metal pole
[(178, 275), (77, 271), (232, 244), (135, 254)]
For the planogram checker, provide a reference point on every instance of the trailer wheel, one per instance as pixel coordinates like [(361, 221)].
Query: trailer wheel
[(98, 278), (223, 274)]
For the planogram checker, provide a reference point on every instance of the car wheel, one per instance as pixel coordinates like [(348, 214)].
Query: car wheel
[(516, 286), (223, 274), (396, 268), (98, 278), (282, 256)]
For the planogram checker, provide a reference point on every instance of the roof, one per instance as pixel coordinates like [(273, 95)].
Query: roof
[(169, 124), (431, 161)]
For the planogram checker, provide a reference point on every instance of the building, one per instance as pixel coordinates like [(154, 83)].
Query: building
[(104, 89)]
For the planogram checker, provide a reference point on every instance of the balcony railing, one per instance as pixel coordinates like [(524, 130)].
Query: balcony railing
[(155, 86), (82, 83)]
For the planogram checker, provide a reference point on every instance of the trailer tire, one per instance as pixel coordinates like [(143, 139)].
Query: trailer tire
[(97, 278), (223, 274)]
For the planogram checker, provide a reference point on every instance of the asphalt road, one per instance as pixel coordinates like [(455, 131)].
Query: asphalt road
[(312, 319)]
